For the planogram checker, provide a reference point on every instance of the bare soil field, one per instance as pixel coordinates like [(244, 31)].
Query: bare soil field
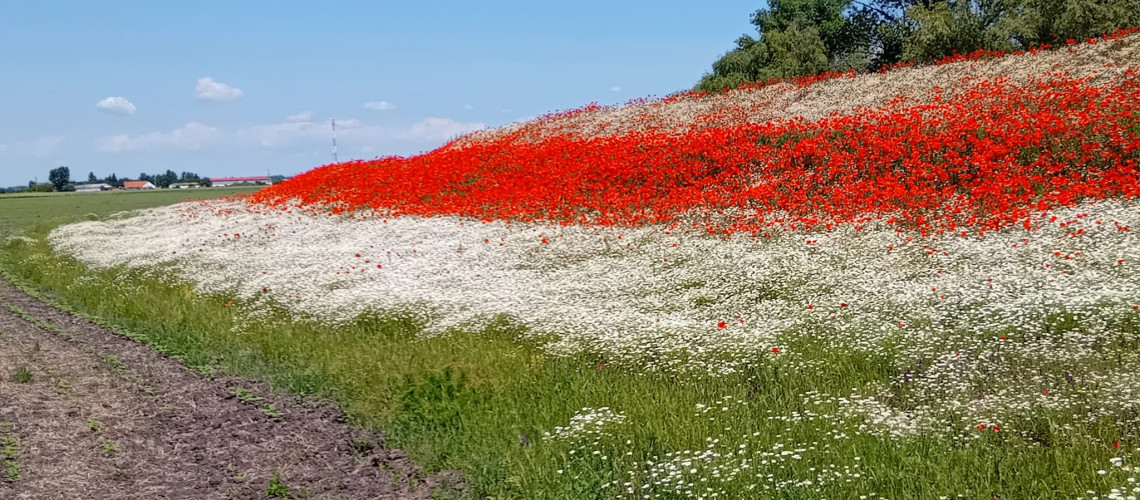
[(86, 413)]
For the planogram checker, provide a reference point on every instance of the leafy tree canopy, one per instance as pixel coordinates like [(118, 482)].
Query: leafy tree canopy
[(59, 177), (805, 37)]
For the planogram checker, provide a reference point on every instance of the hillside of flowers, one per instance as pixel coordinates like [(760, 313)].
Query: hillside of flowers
[(983, 153), (949, 255)]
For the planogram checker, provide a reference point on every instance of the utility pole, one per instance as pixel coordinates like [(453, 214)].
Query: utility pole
[(334, 139)]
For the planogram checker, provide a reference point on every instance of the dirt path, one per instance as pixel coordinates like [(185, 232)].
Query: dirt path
[(96, 415)]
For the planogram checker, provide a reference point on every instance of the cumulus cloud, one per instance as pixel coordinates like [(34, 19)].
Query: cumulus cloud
[(277, 135), (209, 89), (432, 128), (379, 105), (303, 116), (191, 136), (615, 88), (352, 132), (116, 106)]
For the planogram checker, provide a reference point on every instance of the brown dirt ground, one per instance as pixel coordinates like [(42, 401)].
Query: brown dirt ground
[(106, 417)]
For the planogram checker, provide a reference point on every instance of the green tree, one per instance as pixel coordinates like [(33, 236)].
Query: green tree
[(59, 177), (802, 37), (960, 26), (91, 177), (797, 38), (1047, 21), (942, 28), (188, 177)]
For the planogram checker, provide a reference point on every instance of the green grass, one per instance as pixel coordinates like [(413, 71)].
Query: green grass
[(22, 375), (29, 211), (480, 400), (10, 453), (277, 489)]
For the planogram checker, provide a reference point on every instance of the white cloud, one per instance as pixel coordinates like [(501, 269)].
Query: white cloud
[(351, 132), (615, 88), (276, 135), (303, 116), (379, 105), (209, 89), (116, 106), (190, 136), (347, 123), (432, 128)]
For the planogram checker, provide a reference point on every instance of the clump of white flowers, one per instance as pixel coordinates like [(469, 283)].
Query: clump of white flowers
[(589, 423), (1122, 475)]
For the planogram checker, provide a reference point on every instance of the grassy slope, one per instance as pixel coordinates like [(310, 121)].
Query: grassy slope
[(466, 400)]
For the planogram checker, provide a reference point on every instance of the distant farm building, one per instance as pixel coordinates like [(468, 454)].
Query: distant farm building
[(234, 181), (91, 188), (138, 185), (183, 185)]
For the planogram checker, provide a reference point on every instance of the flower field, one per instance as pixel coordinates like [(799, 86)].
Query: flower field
[(816, 281)]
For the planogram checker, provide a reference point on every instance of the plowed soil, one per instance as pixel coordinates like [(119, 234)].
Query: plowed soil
[(103, 416)]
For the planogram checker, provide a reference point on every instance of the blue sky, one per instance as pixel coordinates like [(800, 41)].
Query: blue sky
[(241, 88)]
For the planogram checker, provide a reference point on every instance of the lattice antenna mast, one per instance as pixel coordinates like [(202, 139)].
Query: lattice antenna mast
[(334, 139)]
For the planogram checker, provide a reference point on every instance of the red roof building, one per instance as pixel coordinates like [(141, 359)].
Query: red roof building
[(138, 185)]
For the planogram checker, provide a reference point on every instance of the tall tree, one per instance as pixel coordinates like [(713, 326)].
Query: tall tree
[(165, 179), (188, 177), (59, 177), (801, 37), (1046, 21), (960, 26), (91, 177), (797, 38)]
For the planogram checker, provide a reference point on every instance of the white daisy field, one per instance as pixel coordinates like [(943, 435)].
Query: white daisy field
[(979, 334)]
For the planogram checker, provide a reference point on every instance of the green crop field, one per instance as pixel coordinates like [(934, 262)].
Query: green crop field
[(25, 211)]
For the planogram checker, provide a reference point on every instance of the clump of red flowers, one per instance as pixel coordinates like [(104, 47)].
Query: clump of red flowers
[(986, 155)]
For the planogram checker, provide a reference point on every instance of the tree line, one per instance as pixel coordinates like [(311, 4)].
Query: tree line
[(59, 179), (806, 37)]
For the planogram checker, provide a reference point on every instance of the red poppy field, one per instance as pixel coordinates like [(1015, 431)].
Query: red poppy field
[(982, 155)]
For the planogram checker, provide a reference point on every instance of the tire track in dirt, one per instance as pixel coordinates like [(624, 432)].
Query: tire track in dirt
[(103, 416)]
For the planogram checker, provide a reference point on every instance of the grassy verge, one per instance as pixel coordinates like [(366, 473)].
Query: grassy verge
[(482, 402)]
